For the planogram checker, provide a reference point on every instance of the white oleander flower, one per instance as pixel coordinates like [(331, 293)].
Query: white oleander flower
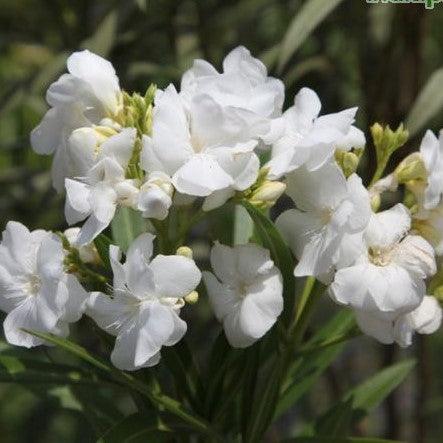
[(203, 148), (245, 292), (388, 275), (143, 312), (329, 208), (244, 86), (155, 197), (97, 197), (302, 137), (35, 292), (425, 319), (431, 150), (88, 96)]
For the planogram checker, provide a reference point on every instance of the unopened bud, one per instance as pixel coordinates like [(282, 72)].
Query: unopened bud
[(192, 298), (387, 141), (268, 193), (411, 168), (185, 251), (348, 161)]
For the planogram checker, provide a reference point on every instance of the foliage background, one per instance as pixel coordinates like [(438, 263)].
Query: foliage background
[(376, 56)]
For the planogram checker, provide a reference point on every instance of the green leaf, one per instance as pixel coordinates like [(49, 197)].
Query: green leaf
[(102, 243), (103, 39), (280, 253), (134, 428), (310, 16), (124, 378), (28, 371), (243, 226), (337, 440), (360, 400), (306, 370), (126, 226), (428, 103)]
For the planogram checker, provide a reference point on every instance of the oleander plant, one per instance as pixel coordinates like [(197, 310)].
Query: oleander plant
[(140, 172)]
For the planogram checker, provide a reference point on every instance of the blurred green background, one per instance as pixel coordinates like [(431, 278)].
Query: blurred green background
[(378, 57)]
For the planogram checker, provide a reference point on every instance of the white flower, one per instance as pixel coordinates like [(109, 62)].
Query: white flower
[(388, 276), (245, 292), (244, 86), (155, 197), (89, 95), (35, 292), (87, 253), (97, 196), (425, 319), (143, 312), (329, 207), (304, 138), (204, 148), (431, 150)]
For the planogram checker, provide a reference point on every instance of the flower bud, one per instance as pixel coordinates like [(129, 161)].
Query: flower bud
[(185, 251), (87, 253), (155, 196), (387, 141), (268, 193), (348, 161), (411, 168), (191, 298)]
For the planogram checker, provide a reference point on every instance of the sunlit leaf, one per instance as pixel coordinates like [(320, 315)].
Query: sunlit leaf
[(126, 226), (103, 39), (428, 103), (312, 13)]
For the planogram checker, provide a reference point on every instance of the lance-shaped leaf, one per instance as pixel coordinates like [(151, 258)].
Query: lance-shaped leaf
[(310, 16), (157, 398), (126, 226), (360, 400)]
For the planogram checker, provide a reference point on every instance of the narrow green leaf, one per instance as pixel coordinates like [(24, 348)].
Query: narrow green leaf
[(156, 398), (360, 400), (243, 226), (312, 13), (428, 103), (27, 371), (135, 427), (280, 253), (103, 39), (102, 243), (306, 370), (126, 226)]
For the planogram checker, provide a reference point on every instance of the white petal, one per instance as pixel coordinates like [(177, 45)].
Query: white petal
[(307, 103), (416, 255), (201, 176), (154, 202), (99, 74), (217, 199), (120, 146), (77, 299), (323, 188), (106, 312), (388, 227), (262, 305), (374, 326), (50, 258), (223, 299), (17, 240), (175, 276), (143, 337), (77, 205)]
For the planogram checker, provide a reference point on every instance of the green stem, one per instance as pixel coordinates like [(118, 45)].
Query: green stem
[(381, 166)]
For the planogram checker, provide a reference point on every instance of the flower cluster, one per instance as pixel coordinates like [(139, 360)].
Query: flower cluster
[(205, 145)]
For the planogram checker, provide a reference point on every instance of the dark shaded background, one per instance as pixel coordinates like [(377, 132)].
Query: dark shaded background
[(377, 57)]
